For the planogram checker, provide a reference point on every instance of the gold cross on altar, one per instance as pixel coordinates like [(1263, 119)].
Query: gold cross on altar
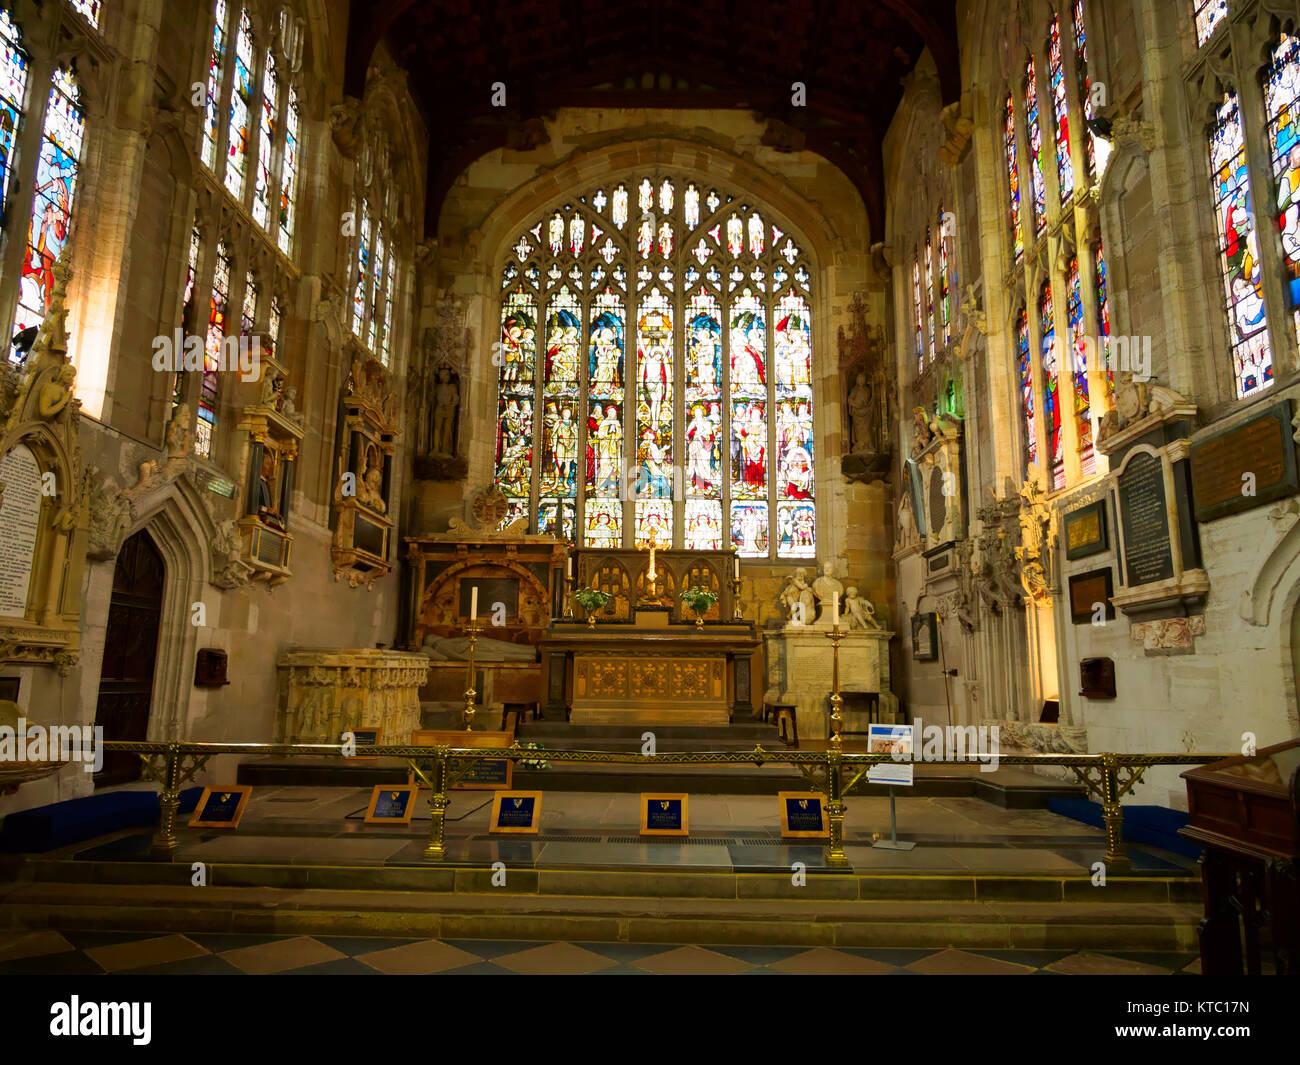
[(650, 571)]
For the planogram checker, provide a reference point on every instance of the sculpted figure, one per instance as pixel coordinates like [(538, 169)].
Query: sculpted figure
[(797, 598), (825, 588), (859, 610)]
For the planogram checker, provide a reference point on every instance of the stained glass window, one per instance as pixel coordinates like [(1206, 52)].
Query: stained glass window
[(216, 74), (1051, 385), (386, 347), (52, 198), (945, 311), (361, 278), (1025, 370), (1085, 87), (209, 390), (1036, 147), (929, 287), (1061, 110), (713, 453), (1248, 339), (187, 308), (15, 66), (289, 172), (1209, 13), (248, 313), (1013, 177), (266, 142), (1103, 324), (241, 92), (1079, 355), (917, 326), (375, 312), (89, 8), (1282, 101)]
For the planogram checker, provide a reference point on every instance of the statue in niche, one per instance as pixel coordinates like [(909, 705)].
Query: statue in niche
[(797, 598), (825, 588), (446, 403), (922, 432), (859, 611), (267, 506), (273, 391), (862, 410), (289, 408), (178, 433), (907, 532), (370, 488)]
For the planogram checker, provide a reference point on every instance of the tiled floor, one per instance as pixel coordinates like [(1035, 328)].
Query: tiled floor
[(47, 952)]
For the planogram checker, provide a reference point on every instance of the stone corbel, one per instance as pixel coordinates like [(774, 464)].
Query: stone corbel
[(344, 120), (958, 129), (882, 260)]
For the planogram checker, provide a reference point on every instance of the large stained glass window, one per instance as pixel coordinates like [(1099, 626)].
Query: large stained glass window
[(945, 310), (917, 325), (1051, 384), (1013, 177), (1248, 339), (266, 142), (1079, 357), (52, 200), (929, 287), (1061, 111), (656, 373), (289, 172), (209, 390), (212, 92), (15, 66), (241, 92), (1282, 100), (1036, 149), (361, 277), (1025, 373), (1085, 86), (1208, 14)]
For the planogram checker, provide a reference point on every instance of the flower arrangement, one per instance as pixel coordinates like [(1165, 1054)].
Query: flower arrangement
[(699, 599), (532, 763), (591, 599)]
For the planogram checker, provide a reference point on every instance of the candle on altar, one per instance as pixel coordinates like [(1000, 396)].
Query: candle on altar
[(473, 603), (568, 567), (835, 609), (736, 560)]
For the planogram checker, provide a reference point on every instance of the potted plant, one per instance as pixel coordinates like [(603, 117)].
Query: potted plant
[(591, 600), (699, 599)]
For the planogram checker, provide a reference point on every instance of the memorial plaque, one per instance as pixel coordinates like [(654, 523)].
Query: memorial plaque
[(391, 805), (1085, 530), (802, 815), (1148, 551), (938, 515), (221, 807), (20, 514), (516, 811), (925, 637), (664, 814), (1245, 466), (485, 774), (1087, 590)]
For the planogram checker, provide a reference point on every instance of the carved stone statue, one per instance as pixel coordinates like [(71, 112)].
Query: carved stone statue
[(825, 588), (797, 598), (289, 407), (859, 611), (446, 401), (178, 433), (370, 489), (921, 429), (907, 531), (456, 649), (57, 392), (862, 411)]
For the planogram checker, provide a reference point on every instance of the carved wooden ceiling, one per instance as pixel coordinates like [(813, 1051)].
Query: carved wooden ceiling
[(715, 54)]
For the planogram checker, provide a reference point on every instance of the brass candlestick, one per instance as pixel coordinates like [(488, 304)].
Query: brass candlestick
[(470, 708), (568, 596), (837, 721), (735, 600)]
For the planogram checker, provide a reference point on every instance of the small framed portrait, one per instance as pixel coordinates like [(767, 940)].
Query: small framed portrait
[(221, 807), (391, 804), (664, 814)]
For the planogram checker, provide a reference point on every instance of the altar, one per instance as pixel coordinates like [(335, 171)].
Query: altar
[(645, 658)]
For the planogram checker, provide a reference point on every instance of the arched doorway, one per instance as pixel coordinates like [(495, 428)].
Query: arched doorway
[(130, 651)]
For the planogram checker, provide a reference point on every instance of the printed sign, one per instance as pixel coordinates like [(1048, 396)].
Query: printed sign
[(391, 805), (516, 811), (802, 815), (664, 814), (221, 807), (895, 740)]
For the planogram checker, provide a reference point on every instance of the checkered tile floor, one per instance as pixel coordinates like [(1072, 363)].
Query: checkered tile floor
[(47, 952)]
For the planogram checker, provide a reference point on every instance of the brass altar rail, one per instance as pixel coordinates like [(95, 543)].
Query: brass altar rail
[(1108, 777)]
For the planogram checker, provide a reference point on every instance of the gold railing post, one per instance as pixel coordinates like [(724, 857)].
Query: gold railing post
[(1112, 813), (438, 803), (169, 801), (835, 857)]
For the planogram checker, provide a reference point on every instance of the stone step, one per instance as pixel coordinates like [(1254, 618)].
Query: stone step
[(797, 920)]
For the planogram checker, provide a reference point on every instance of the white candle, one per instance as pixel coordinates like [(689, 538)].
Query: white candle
[(835, 608), (473, 603), (568, 567), (736, 560)]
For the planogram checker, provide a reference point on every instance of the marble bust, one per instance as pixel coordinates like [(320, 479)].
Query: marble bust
[(825, 588)]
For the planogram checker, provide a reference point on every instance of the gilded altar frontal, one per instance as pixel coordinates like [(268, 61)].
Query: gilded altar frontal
[(689, 488)]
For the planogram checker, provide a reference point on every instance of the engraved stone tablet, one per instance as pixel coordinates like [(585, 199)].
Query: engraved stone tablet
[(1148, 553), (20, 514), (1248, 465)]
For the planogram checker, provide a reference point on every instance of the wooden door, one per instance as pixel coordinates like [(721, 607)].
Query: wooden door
[(130, 650)]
